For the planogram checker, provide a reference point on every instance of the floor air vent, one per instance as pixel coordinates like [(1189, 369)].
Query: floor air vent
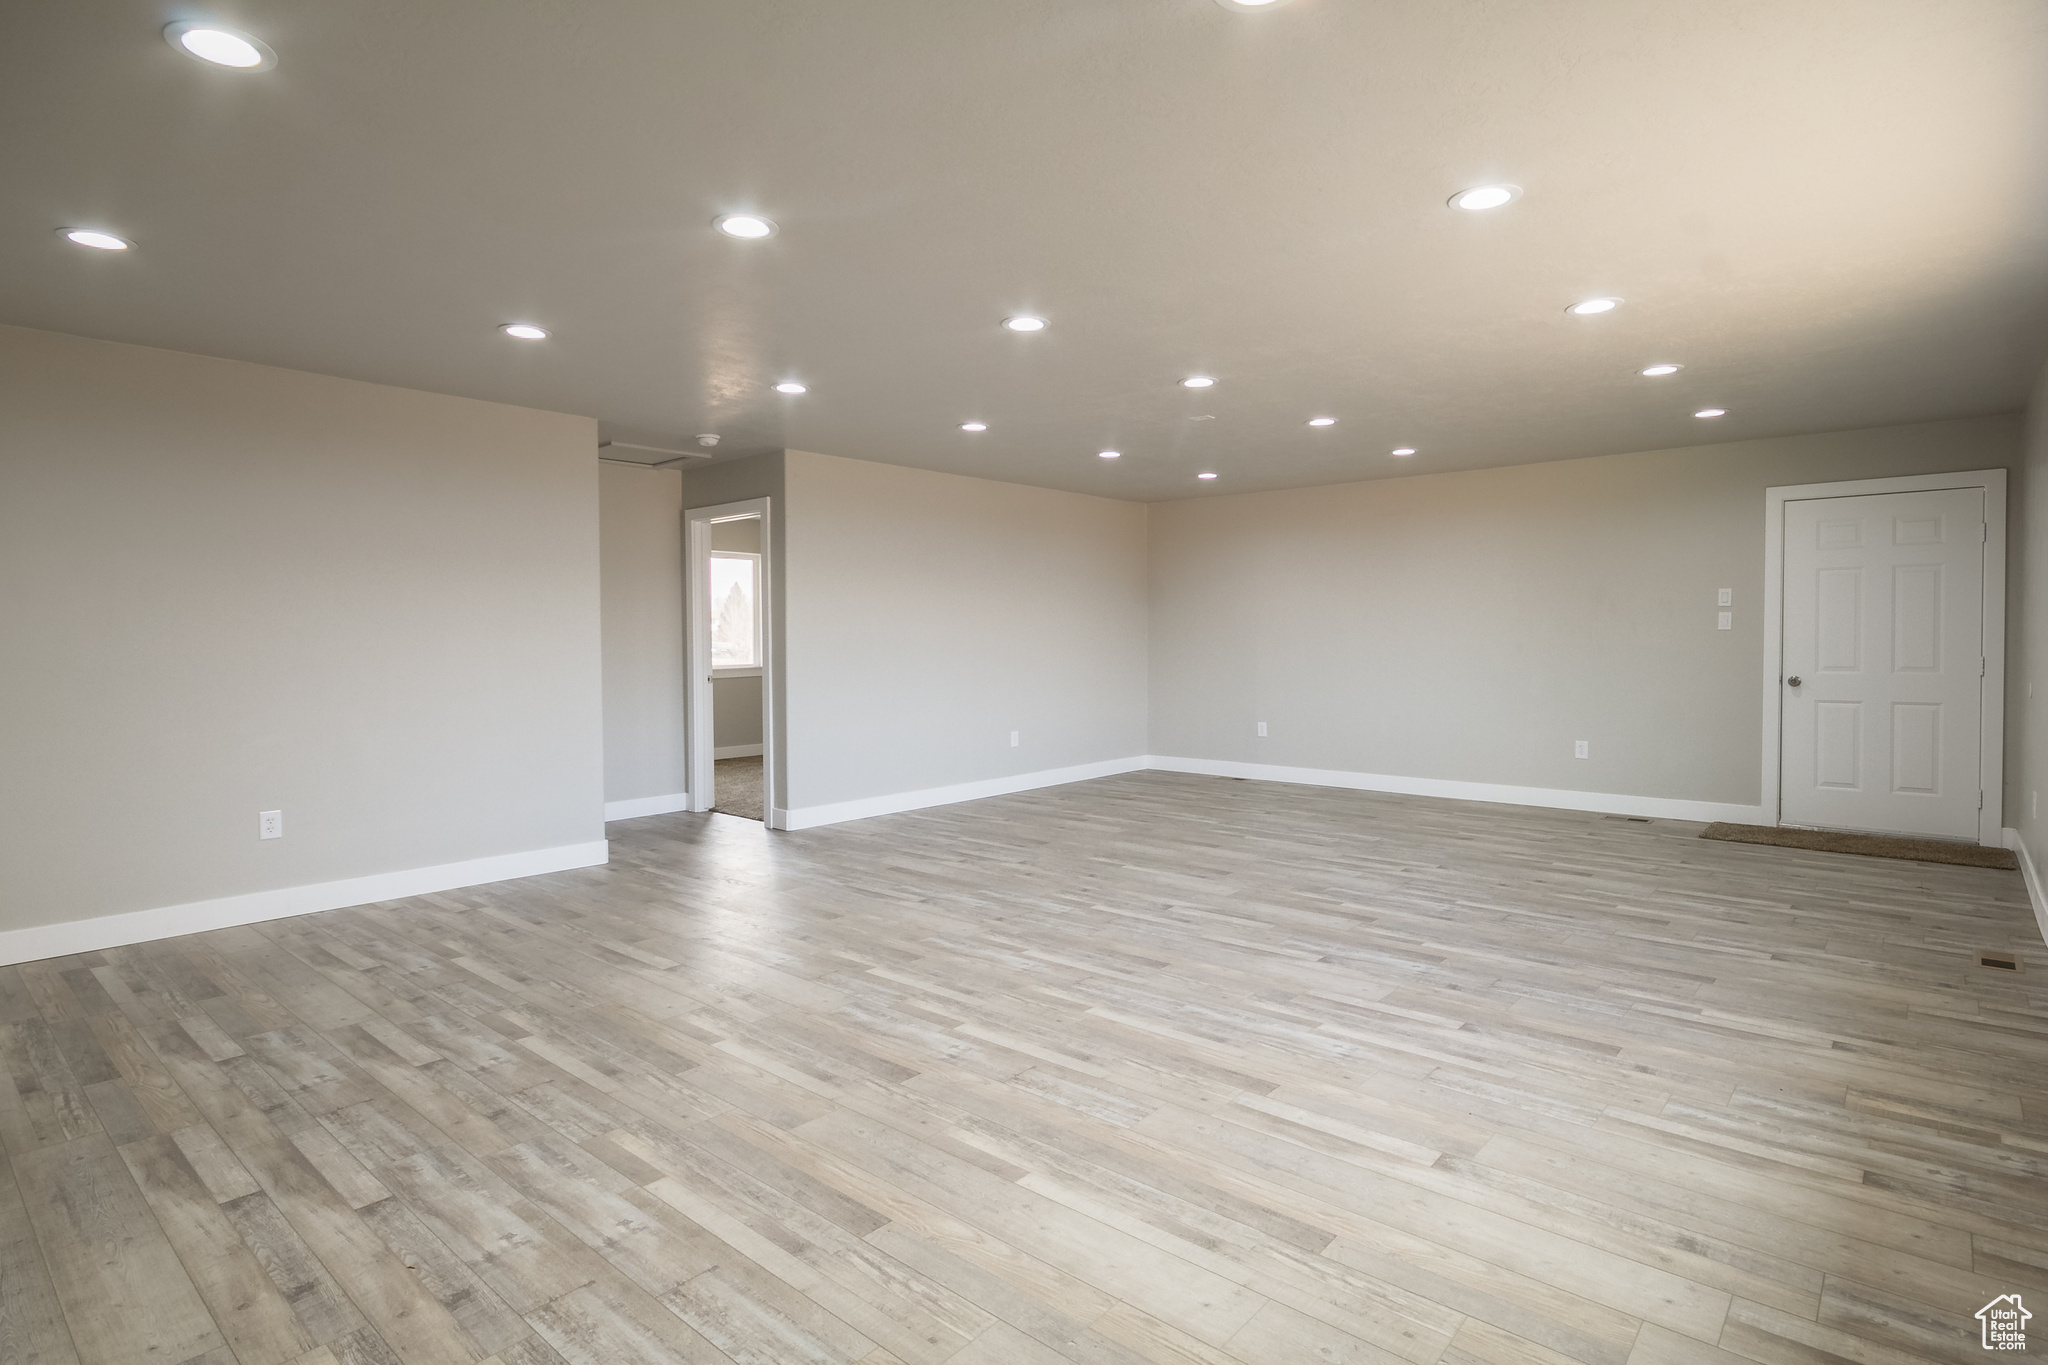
[(2004, 962)]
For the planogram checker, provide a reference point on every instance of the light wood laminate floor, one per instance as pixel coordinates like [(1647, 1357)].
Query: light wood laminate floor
[(1156, 1068)]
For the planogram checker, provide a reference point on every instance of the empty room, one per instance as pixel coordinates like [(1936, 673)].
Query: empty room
[(1075, 682)]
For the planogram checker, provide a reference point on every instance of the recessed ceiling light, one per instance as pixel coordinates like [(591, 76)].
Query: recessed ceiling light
[(221, 46), (1485, 197), (1322, 421), (1711, 412), (1197, 381), (974, 426), (1588, 307), (1109, 454), (1248, 5), (746, 225), (525, 331), (1025, 322), (1404, 450), (98, 241), (1205, 475), (792, 387), (1652, 371)]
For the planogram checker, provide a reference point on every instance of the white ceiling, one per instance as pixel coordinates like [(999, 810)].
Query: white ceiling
[(1831, 211)]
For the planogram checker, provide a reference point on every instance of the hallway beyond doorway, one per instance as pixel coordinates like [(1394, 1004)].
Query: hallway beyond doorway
[(740, 788)]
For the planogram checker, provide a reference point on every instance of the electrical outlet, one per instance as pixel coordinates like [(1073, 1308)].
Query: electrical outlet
[(270, 824), (1726, 621), (1013, 739), (1582, 748), (1727, 597), (1262, 729)]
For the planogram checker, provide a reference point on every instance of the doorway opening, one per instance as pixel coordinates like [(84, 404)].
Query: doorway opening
[(731, 711), (1884, 656)]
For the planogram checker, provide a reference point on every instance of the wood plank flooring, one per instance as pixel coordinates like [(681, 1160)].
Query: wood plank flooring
[(1157, 1068)]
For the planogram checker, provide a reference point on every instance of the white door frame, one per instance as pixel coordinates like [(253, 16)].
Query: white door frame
[(1991, 756), (700, 746)]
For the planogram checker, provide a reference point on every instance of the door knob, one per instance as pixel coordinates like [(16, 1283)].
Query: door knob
[(1794, 682)]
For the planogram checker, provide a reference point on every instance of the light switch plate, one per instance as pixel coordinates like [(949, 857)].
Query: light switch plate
[(1262, 729), (1727, 621), (1727, 598)]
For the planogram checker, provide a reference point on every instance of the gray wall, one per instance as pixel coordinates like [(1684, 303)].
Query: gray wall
[(933, 614), (1471, 626), (743, 536), (226, 588), (2027, 737), (640, 512), (735, 712)]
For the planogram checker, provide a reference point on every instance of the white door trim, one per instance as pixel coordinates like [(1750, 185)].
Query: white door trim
[(700, 746), (1991, 760)]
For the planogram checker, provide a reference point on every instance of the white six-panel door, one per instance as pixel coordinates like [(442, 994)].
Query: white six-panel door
[(1882, 693)]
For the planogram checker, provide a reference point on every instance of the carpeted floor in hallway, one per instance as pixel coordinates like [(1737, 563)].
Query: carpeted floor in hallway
[(740, 788)]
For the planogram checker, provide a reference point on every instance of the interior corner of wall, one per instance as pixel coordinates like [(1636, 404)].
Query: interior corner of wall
[(2031, 872)]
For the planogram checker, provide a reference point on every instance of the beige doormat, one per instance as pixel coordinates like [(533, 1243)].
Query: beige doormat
[(738, 787), (1870, 845)]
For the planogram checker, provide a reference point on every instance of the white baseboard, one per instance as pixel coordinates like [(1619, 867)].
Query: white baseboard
[(736, 751), (646, 805), (2035, 893), (810, 817), (1605, 803), (141, 926)]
